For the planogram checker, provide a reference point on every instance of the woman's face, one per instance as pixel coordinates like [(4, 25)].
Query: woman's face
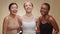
[(13, 9), (44, 10), (28, 7)]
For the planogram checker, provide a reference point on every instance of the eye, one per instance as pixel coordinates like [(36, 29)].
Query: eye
[(25, 5)]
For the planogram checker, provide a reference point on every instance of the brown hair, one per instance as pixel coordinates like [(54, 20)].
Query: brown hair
[(12, 4), (47, 4)]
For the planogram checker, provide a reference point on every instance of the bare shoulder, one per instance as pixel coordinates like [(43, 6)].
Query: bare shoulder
[(51, 18), (38, 19), (5, 21), (6, 18), (35, 17), (18, 16)]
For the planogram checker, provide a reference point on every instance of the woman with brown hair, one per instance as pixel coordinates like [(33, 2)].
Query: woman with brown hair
[(11, 23)]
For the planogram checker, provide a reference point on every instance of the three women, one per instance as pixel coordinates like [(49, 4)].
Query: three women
[(28, 23)]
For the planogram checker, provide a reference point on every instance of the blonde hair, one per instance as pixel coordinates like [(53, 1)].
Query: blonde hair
[(29, 2)]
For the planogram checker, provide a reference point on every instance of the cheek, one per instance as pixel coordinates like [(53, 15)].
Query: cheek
[(12, 9), (31, 7), (41, 10), (46, 11), (25, 8)]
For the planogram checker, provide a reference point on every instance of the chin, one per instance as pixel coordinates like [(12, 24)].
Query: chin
[(42, 14), (14, 13), (28, 11)]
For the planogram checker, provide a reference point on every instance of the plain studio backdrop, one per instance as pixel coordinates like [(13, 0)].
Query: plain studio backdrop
[(54, 11)]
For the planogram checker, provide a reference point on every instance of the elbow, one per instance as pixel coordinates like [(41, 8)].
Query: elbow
[(37, 32), (57, 31)]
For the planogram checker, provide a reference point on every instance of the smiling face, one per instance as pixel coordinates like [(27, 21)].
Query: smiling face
[(28, 6), (13, 9), (44, 10)]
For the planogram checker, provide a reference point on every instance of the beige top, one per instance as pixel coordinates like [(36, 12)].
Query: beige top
[(12, 27)]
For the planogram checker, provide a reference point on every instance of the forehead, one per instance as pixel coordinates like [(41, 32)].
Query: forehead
[(27, 3), (14, 5), (44, 6)]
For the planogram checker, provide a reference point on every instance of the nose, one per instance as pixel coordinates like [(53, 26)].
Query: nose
[(28, 6)]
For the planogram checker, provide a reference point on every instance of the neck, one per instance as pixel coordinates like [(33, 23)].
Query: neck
[(13, 16), (28, 14), (45, 16)]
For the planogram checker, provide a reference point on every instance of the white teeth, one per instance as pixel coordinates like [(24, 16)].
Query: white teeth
[(14, 11)]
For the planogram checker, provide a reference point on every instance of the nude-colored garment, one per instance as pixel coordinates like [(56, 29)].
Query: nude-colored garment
[(12, 27), (29, 27)]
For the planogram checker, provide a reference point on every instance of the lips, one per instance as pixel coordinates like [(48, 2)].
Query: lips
[(28, 8), (43, 13), (15, 11)]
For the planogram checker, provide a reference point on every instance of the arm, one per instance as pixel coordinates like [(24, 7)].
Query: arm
[(38, 26), (20, 24), (5, 23), (54, 24)]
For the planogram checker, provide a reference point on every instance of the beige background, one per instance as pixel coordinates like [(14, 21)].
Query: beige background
[(55, 9)]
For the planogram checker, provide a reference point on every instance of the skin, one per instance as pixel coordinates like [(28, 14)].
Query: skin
[(38, 26), (29, 16), (45, 16), (28, 8), (12, 17)]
